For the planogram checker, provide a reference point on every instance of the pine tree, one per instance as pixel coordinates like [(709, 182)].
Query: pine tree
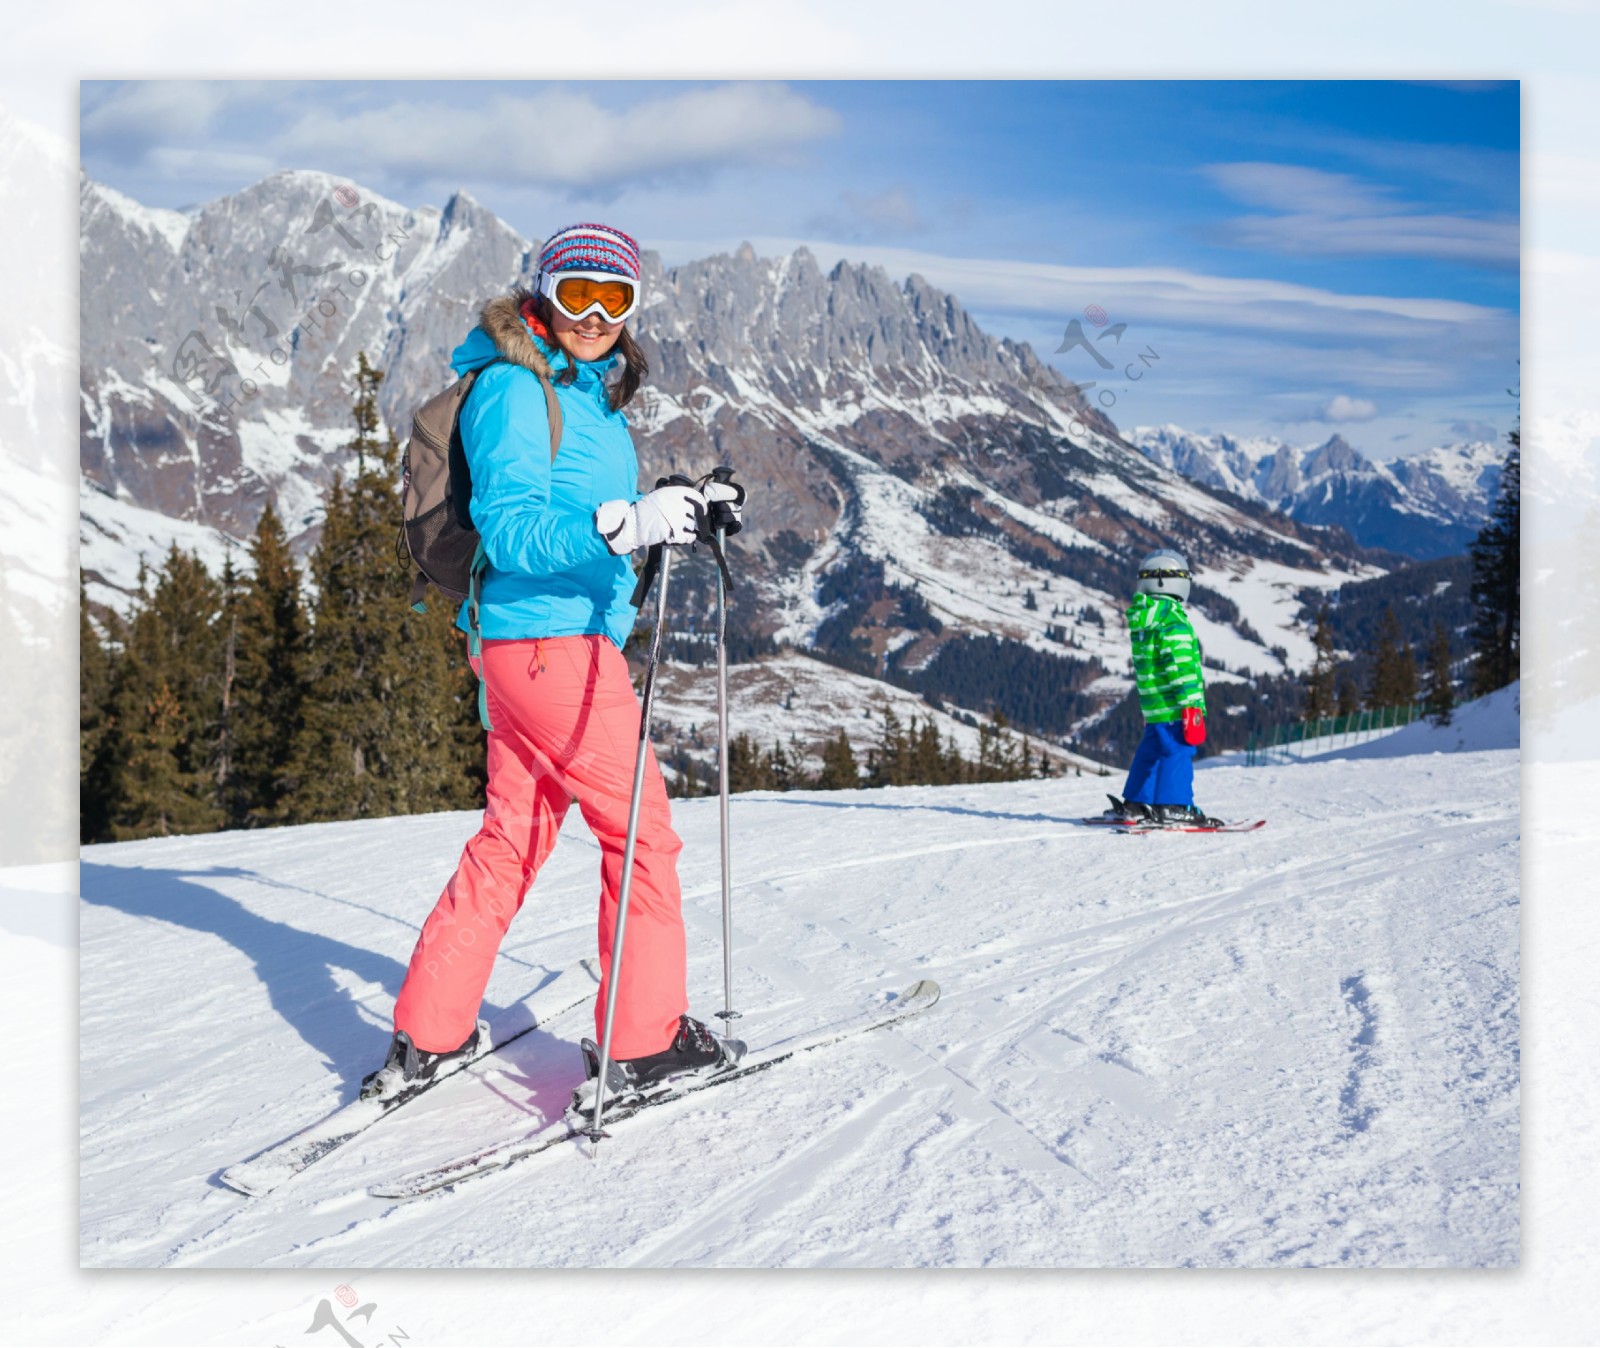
[(890, 765), (1406, 678), (839, 772), (747, 770), (684, 776), (997, 752), (98, 769), (1497, 583), (167, 705), (782, 768), (1319, 681), (1394, 670), (270, 678), (1440, 695), (383, 725), (927, 765), (1349, 697), (229, 800)]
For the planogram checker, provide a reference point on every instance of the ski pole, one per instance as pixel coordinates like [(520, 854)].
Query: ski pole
[(727, 1014), (724, 583), (626, 883)]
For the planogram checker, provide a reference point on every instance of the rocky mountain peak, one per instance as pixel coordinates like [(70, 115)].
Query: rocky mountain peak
[(1335, 455), (1425, 505)]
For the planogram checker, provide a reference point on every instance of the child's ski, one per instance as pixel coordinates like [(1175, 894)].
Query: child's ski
[(1192, 828)]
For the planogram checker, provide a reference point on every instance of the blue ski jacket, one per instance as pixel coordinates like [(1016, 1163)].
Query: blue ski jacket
[(549, 573)]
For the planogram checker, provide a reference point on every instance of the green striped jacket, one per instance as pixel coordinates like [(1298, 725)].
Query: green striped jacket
[(1166, 657)]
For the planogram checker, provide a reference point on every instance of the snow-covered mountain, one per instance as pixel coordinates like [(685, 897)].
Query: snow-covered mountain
[(1424, 506), (917, 483)]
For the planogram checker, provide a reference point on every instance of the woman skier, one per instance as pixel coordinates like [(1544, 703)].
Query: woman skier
[(1172, 697), (555, 610)]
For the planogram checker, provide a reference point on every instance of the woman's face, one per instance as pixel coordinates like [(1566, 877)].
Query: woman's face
[(586, 339)]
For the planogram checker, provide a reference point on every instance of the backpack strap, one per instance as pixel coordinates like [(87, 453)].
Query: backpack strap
[(553, 410), (475, 634), (480, 561)]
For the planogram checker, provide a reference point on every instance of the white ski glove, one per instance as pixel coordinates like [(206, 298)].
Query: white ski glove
[(726, 500), (669, 515)]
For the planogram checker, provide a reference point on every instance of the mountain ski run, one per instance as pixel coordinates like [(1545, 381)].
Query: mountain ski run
[(1293, 1047)]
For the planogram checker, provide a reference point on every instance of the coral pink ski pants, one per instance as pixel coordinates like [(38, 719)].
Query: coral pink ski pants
[(566, 724)]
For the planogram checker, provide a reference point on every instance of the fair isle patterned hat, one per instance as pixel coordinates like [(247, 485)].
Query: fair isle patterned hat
[(590, 247)]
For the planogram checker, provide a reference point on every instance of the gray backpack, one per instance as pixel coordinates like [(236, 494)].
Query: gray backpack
[(436, 530), (436, 533)]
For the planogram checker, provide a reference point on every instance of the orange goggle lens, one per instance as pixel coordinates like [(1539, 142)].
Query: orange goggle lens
[(577, 293)]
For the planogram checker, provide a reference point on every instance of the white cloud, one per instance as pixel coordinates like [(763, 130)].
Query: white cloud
[(1342, 407), (1170, 296), (1461, 238), (1326, 214), (563, 136), (142, 112), (1291, 187), (146, 110)]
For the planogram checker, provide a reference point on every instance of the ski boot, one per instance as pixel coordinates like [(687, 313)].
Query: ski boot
[(1183, 816), (1126, 812), (409, 1069), (630, 1082)]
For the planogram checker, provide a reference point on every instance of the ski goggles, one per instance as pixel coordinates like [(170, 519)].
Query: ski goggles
[(578, 293)]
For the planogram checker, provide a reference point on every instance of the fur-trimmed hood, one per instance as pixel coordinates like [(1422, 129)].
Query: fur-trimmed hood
[(504, 332), (512, 337)]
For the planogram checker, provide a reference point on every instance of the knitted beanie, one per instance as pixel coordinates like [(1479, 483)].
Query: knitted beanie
[(590, 247)]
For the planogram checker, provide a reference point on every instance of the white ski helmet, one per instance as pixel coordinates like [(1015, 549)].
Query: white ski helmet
[(1164, 572)]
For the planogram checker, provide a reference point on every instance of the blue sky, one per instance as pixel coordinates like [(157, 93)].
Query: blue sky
[(1304, 257)]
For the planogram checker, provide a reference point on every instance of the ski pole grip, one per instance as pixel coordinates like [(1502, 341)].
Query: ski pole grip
[(719, 526)]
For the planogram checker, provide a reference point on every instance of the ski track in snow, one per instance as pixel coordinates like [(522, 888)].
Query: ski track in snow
[(1292, 1047)]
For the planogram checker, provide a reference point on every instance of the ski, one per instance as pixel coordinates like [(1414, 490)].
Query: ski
[(916, 998), (266, 1170), (1192, 828)]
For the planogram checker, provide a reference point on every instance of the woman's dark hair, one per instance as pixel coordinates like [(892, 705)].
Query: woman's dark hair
[(635, 368)]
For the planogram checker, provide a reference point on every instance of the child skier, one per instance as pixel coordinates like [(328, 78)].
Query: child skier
[(1172, 696)]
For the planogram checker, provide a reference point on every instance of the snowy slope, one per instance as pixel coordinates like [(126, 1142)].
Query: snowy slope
[(1294, 1047), (1492, 722)]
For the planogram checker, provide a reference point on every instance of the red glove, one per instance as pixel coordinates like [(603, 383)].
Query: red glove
[(1194, 726)]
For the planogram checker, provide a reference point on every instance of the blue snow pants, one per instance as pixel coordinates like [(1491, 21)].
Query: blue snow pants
[(1162, 772)]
